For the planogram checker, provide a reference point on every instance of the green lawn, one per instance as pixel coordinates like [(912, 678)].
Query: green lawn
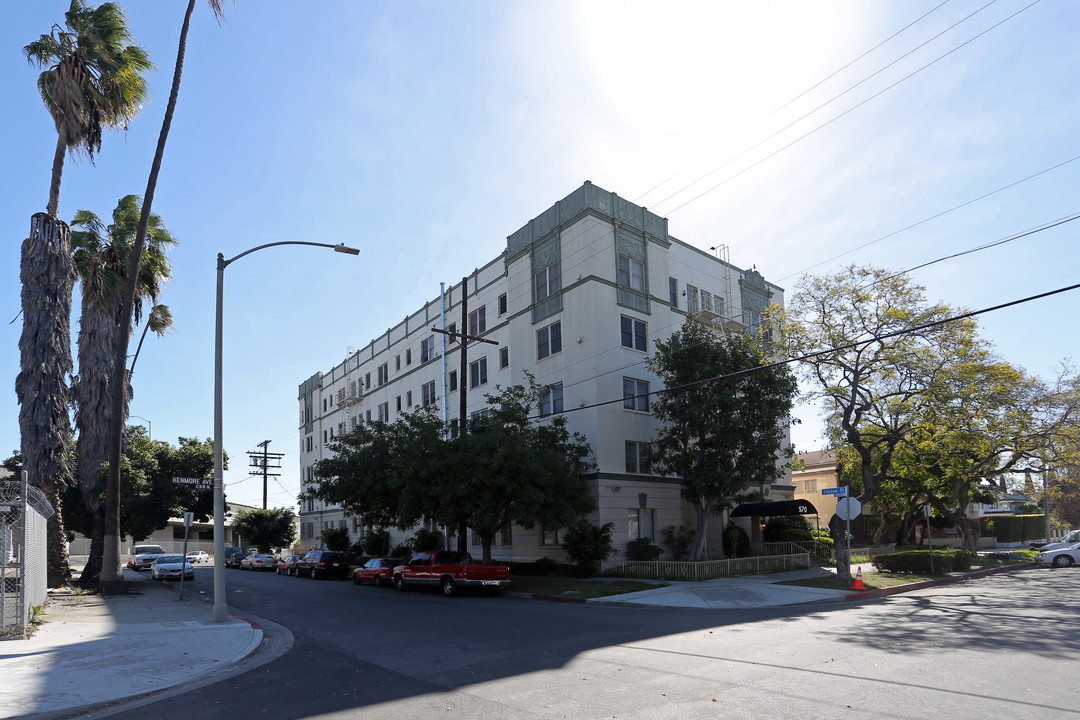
[(577, 587), (874, 580)]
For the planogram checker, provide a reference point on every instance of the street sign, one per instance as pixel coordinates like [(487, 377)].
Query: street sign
[(195, 483), (848, 508), (838, 491)]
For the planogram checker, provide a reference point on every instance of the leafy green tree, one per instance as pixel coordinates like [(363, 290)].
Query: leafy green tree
[(92, 81), (335, 539), (268, 529), (375, 543), (111, 563), (511, 469), (586, 544), (724, 416), (101, 260), (151, 498)]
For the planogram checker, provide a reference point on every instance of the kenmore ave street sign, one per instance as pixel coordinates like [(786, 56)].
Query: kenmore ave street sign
[(195, 483)]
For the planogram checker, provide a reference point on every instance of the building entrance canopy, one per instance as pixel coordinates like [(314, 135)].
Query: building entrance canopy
[(773, 509)]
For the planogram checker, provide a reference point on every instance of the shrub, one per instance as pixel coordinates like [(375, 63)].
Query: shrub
[(585, 544), (336, 539), (679, 540), (787, 528), (736, 541), (642, 549), (425, 540), (918, 561), (376, 543), (401, 551)]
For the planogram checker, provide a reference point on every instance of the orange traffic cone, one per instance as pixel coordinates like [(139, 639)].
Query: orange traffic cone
[(858, 581)]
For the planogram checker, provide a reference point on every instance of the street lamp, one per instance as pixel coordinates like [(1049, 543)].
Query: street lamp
[(149, 426), (221, 608)]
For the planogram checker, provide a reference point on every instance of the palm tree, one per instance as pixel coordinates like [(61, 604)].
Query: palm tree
[(101, 258), (92, 81), (111, 573)]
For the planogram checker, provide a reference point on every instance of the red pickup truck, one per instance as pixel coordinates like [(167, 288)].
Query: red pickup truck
[(450, 571)]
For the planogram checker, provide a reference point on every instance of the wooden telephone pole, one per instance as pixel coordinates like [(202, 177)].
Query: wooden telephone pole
[(464, 338), (263, 460)]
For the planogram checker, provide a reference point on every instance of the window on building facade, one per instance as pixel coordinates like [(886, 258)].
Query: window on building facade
[(341, 395), (502, 304), (352, 422), (325, 437), (631, 273), (478, 322), (397, 362), (640, 523), (367, 381), (479, 416), (551, 536), (811, 485), (478, 373), (637, 458), (453, 428), (397, 403), (352, 388), (635, 394), (408, 398), (310, 473), (551, 400), (691, 299), (324, 404), (310, 443), (634, 333), (673, 291), (384, 374), (408, 356), (427, 393), (341, 428), (547, 281), (453, 334), (427, 349), (504, 358), (549, 341), (368, 415), (453, 380), (507, 536), (384, 412)]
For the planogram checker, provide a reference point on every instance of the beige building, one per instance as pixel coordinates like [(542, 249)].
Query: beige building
[(577, 299)]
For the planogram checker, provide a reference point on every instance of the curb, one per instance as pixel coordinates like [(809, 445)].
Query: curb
[(549, 598), (870, 594)]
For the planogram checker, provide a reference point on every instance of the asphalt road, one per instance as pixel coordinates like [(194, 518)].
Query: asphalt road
[(1005, 646)]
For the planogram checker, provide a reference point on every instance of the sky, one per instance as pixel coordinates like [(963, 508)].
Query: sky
[(803, 136)]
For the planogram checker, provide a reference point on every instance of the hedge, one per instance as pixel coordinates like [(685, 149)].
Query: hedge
[(1018, 528), (918, 561)]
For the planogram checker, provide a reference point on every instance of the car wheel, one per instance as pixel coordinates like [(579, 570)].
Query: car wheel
[(399, 583), (1063, 561), (377, 581), (356, 579), (449, 588), (313, 575)]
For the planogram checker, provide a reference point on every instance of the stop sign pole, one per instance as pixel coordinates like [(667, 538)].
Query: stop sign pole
[(847, 508)]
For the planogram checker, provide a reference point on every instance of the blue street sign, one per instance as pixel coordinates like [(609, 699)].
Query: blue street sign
[(838, 491)]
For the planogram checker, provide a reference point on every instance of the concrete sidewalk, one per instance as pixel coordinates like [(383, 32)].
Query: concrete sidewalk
[(92, 650)]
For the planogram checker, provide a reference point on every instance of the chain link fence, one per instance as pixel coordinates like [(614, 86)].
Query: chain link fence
[(24, 512)]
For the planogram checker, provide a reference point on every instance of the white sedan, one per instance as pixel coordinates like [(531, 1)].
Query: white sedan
[(259, 562), (1062, 557), (169, 567), (198, 556)]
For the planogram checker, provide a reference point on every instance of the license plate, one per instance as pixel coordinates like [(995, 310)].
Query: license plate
[(335, 564), (489, 582)]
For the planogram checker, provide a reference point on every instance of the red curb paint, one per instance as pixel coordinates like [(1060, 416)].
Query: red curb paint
[(252, 623)]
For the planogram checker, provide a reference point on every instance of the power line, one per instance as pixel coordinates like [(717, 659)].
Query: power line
[(834, 119)]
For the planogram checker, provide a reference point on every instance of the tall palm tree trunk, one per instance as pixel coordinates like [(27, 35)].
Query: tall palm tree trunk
[(111, 573), (57, 170), (97, 343), (48, 277)]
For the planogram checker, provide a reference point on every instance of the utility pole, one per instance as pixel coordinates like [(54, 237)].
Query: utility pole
[(263, 460), (464, 338)]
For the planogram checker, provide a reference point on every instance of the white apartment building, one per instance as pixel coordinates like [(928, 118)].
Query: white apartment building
[(578, 298)]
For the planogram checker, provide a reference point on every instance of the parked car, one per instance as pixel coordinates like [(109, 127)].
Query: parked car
[(378, 571), (1070, 539), (449, 571), (198, 556), (169, 567), (235, 559), (323, 563), (287, 564), (1061, 557), (142, 556), (258, 561)]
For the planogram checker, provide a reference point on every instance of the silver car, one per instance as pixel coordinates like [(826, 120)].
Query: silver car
[(169, 567), (1062, 557)]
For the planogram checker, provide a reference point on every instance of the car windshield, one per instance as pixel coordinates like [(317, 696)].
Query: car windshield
[(147, 549), (166, 559)]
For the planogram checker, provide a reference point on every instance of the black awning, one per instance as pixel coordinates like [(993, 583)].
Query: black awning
[(772, 509)]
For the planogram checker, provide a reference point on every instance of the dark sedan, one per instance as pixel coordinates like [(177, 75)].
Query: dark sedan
[(378, 571), (323, 564)]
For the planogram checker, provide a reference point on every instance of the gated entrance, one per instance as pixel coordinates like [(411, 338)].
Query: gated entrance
[(23, 515)]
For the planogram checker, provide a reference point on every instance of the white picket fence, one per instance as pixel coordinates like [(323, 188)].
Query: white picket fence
[(706, 569)]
